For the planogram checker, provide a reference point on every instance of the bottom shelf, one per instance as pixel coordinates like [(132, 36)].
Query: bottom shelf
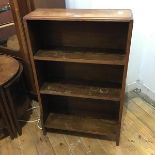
[(81, 124)]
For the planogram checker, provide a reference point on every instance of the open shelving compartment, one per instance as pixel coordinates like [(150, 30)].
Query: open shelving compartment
[(77, 96), (80, 70)]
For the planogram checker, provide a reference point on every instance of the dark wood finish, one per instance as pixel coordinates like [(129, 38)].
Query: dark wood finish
[(8, 114), (91, 74), (4, 117), (12, 101), (14, 98), (95, 56), (81, 124), (128, 43), (8, 69), (66, 34), (97, 108), (83, 91), (79, 60)]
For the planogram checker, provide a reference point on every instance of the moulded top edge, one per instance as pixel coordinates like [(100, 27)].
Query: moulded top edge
[(81, 14)]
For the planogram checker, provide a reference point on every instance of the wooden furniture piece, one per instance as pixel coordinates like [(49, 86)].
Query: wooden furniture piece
[(80, 60), (14, 99)]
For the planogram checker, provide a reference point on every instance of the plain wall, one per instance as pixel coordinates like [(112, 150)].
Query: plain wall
[(142, 53)]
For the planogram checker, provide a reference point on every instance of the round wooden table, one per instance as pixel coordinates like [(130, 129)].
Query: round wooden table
[(12, 94), (9, 67)]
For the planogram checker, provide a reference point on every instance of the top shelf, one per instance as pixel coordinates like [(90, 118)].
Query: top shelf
[(81, 56), (120, 15)]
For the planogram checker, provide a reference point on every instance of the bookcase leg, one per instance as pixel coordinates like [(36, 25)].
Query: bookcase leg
[(44, 131), (117, 142), (118, 139), (40, 126)]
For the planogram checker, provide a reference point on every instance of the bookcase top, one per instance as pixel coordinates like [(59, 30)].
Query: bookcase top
[(122, 15)]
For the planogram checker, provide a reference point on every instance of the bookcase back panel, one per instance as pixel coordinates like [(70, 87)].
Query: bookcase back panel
[(79, 106), (103, 75), (106, 35)]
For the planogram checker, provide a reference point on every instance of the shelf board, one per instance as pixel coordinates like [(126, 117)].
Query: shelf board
[(81, 124), (81, 55), (82, 91)]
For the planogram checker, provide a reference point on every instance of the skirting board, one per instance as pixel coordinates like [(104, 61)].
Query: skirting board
[(142, 90), (131, 87)]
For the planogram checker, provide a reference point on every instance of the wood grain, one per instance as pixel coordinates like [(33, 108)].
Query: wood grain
[(94, 56), (33, 142), (83, 91), (76, 146), (9, 147), (142, 115), (8, 68), (56, 29), (82, 124), (92, 146), (81, 14), (136, 138), (59, 144)]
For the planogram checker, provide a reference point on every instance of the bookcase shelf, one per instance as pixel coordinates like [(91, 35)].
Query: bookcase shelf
[(80, 60), (94, 126), (83, 91), (81, 55)]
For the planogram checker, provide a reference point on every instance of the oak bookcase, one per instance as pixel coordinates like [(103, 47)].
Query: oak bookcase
[(80, 60)]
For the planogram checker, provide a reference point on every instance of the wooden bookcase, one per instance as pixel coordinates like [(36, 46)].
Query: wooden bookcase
[(80, 60)]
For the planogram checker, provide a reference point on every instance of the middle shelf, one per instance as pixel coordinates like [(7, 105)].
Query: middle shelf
[(82, 55), (82, 91)]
